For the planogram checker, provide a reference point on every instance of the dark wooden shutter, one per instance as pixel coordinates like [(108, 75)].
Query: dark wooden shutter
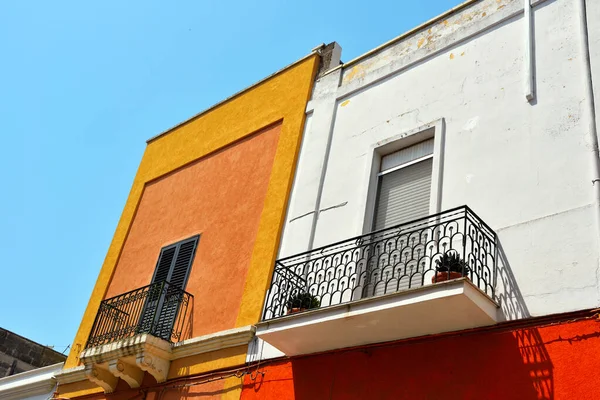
[(163, 267), (183, 263), (175, 262), (173, 266)]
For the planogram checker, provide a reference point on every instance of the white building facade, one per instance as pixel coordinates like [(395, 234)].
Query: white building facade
[(487, 106)]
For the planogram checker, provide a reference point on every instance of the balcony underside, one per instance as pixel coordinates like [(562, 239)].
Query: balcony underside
[(442, 307), (130, 358)]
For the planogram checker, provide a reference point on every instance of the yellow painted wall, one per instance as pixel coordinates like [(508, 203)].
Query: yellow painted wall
[(282, 97)]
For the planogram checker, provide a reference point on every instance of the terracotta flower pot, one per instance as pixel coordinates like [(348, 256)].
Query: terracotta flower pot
[(445, 276), (295, 310)]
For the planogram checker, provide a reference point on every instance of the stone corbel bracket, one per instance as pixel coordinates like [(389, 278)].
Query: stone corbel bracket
[(129, 358)]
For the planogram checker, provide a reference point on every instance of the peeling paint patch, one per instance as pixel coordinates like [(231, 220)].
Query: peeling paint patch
[(462, 54), (345, 103), (429, 38), (356, 72), (452, 56)]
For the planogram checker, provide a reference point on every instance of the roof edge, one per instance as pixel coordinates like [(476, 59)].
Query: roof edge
[(34, 342), (398, 38), (165, 132)]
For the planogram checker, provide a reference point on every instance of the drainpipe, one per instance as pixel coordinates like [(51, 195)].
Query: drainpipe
[(590, 109), (529, 52)]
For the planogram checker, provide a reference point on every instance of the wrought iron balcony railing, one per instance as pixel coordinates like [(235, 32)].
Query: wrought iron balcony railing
[(159, 309), (386, 261)]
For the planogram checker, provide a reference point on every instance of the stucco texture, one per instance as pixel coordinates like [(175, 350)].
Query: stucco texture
[(220, 197), (281, 100), (555, 362)]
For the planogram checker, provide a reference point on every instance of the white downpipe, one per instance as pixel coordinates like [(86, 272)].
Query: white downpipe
[(590, 109), (529, 51)]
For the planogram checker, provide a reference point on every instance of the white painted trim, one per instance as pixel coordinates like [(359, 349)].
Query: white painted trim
[(71, 375), (435, 130), (216, 341), (30, 383), (437, 170)]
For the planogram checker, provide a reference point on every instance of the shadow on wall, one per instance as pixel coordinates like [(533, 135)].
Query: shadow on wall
[(475, 366), (508, 294), (534, 355), (508, 364), (497, 365), (188, 329)]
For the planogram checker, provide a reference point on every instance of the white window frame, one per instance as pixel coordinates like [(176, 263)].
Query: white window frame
[(435, 130)]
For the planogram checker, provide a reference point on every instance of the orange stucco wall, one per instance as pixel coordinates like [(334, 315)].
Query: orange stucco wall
[(281, 98), (220, 197), (239, 203), (554, 362)]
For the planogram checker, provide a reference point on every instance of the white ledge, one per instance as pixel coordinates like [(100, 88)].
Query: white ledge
[(431, 309), (216, 341), (26, 384), (71, 375), (131, 346), (129, 358)]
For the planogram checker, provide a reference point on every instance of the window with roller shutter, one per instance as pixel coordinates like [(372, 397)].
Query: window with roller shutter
[(404, 185), (403, 195), (173, 266)]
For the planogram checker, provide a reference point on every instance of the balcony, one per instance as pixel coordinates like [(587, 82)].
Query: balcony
[(384, 286), (133, 333), (159, 309)]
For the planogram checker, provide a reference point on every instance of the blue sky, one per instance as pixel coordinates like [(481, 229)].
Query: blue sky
[(84, 84)]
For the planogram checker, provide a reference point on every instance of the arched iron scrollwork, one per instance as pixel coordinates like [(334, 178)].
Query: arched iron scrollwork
[(386, 261)]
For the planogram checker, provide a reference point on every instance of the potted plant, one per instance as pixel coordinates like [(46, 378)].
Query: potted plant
[(450, 266), (302, 301)]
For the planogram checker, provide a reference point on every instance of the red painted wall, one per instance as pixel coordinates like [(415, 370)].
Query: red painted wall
[(556, 362)]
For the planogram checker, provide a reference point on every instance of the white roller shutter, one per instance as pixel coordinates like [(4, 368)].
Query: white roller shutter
[(403, 194), (407, 155)]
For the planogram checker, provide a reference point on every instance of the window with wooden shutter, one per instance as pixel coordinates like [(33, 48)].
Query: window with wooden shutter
[(173, 266), (175, 262)]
